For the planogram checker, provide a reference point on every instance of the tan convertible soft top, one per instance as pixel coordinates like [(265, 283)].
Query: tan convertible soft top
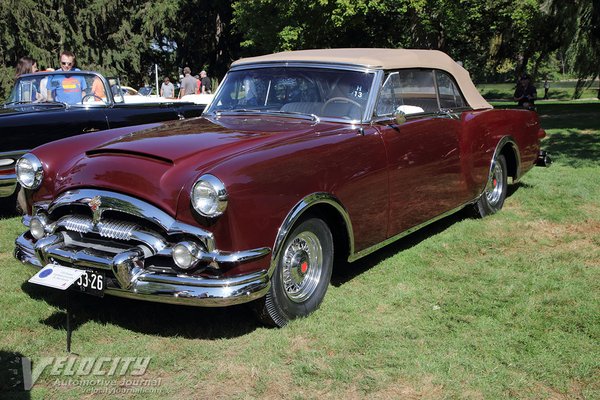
[(385, 59)]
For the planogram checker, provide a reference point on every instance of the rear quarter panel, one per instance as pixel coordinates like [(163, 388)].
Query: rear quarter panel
[(483, 130)]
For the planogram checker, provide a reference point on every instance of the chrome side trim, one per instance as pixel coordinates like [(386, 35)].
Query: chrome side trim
[(369, 250), (126, 204), (8, 182), (8, 185), (11, 155), (300, 208)]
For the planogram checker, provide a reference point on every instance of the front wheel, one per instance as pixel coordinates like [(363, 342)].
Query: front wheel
[(492, 198), (302, 274)]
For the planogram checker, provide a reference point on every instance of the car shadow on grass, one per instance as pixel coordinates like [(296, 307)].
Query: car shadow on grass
[(574, 149), (144, 317)]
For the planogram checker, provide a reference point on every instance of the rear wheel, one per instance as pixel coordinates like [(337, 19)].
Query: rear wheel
[(302, 274), (492, 198)]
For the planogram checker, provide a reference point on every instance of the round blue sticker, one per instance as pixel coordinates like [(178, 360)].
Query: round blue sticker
[(45, 273)]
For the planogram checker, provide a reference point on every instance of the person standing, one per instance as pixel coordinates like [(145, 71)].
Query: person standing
[(188, 83), (26, 65), (167, 90), (198, 83), (27, 91), (69, 89), (546, 88), (205, 84), (525, 94)]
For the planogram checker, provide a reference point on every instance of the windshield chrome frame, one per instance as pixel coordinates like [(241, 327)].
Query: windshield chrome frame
[(374, 90), (109, 96)]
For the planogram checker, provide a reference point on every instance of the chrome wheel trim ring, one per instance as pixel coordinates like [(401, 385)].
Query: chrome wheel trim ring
[(302, 266), (495, 185)]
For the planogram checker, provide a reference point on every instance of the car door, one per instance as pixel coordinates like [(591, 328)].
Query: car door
[(423, 152), (29, 129), (123, 114)]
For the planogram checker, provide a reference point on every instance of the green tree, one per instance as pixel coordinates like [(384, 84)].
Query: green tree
[(579, 27), (481, 34)]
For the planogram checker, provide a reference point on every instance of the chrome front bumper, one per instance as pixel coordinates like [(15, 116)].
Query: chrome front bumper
[(163, 288), (127, 252)]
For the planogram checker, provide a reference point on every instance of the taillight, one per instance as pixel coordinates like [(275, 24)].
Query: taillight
[(541, 133)]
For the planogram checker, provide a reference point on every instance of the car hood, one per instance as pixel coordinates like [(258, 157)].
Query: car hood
[(157, 163), (206, 140)]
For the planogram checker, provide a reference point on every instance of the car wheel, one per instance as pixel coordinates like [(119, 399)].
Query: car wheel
[(302, 274), (494, 194)]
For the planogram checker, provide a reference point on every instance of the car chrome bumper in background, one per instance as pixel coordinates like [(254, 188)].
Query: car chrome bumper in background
[(8, 184), (165, 288), (8, 178)]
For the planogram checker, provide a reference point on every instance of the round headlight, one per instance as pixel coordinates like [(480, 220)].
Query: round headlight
[(209, 197), (37, 227), (29, 171), (184, 255)]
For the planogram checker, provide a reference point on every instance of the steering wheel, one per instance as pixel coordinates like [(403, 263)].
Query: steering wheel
[(92, 96), (344, 99)]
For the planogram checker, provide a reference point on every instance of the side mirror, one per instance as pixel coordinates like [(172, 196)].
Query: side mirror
[(399, 116)]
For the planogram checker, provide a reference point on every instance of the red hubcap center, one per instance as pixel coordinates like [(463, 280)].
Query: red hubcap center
[(494, 182), (304, 267)]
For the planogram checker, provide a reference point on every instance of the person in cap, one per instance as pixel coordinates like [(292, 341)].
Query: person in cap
[(525, 94)]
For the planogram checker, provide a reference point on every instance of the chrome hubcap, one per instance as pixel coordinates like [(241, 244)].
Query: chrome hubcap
[(495, 185), (302, 265)]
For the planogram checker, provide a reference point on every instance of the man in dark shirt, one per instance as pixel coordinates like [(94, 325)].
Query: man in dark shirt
[(205, 86), (525, 94)]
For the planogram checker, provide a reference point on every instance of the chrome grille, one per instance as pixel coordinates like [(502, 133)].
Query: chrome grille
[(108, 228), (116, 230), (78, 224)]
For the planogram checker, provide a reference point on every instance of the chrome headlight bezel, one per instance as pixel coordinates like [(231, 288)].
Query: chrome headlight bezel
[(209, 196), (29, 167)]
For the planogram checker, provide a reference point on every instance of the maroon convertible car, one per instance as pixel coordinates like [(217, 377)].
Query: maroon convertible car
[(303, 158)]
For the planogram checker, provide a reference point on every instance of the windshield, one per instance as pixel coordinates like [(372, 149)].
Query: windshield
[(324, 92), (72, 88)]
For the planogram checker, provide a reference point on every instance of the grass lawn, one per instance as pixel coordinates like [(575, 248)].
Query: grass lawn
[(504, 307), (562, 90)]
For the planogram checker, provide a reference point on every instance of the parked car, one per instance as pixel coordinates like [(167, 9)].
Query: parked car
[(301, 160), (30, 118), (129, 91)]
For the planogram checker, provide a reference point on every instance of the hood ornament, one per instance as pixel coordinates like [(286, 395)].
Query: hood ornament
[(95, 204)]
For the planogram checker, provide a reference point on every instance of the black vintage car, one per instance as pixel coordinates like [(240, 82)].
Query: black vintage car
[(44, 107)]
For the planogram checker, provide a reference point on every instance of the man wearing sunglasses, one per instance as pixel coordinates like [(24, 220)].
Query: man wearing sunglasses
[(68, 89)]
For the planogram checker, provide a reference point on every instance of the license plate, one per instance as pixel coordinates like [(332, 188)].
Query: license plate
[(91, 282)]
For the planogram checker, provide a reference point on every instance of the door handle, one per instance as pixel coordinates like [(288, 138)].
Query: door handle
[(447, 113), (90, 130)]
